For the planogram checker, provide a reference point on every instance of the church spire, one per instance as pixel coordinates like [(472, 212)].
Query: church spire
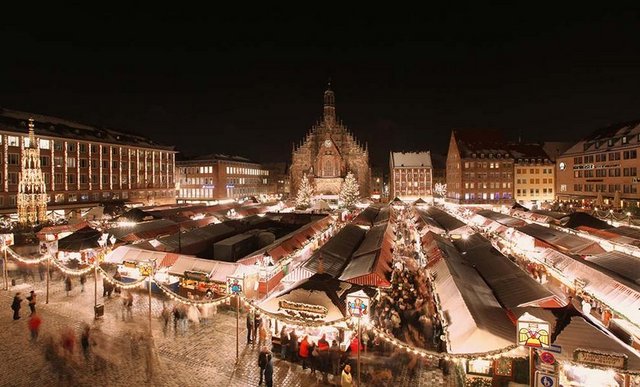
[(329, 105), (32, 134)]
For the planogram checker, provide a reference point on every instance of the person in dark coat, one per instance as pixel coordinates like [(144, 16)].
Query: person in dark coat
[(263, 358), (32, 301), (268, 372), (250, 322), (257, 322), (15, 305), (83, 280), (293, 345), (67, 285)]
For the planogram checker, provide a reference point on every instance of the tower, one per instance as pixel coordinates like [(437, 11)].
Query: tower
[(329, 107), (32, 197)]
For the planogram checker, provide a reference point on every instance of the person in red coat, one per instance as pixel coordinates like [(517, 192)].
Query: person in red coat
[(304, 351), (34, 326)]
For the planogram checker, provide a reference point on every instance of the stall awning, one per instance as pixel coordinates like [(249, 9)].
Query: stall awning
[(581, 335)]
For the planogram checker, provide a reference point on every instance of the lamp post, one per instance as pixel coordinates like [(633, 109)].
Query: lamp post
[(358, 307), (235, 287), (147, 270)]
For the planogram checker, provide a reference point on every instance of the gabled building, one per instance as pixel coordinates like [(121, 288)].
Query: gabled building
[(534, 174), (410, 175), (327, 153), (479, 167), (604, 162)]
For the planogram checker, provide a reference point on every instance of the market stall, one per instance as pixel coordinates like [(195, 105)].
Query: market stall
[(131, 262), (319, 299)]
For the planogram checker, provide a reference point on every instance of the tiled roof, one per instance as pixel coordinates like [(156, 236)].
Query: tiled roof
[(481, 142), (411, 159), (599, 139), (16, 121)]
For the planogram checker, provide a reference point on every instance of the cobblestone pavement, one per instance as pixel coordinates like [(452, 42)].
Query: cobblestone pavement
[(202, 355)]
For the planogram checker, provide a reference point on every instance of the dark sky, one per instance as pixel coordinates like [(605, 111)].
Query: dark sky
[(250, 81)]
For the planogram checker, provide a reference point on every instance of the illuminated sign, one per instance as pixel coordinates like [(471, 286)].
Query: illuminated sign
[(584, 166), (612, 360), (300, 307), (358, 304), (234, 286), (532, 332), (208, 186)]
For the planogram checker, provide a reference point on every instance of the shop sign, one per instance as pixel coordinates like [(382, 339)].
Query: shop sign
[(635, 180), (49, 247), (583, 166), (358, 304), (546, 380), (532, 332), (610, 360), (6, 239), (196, 275), (300, 307), (234, 286), (145, 269)]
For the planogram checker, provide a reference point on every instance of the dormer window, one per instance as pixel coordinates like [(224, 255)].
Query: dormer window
[(625, 139), (490, 155), (610, 142)]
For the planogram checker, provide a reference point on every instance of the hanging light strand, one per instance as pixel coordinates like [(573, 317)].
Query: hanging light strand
[(120, 284), (73, 272), (176, 297), (28, 261)]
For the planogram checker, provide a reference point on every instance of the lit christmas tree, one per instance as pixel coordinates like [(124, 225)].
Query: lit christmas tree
[(349, 192), (305, 193)]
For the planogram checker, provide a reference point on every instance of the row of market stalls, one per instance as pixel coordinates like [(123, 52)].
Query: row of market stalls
[(184, 274), (359, 255), (583, 359)]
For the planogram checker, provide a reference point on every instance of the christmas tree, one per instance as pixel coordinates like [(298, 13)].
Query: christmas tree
[(349, 193), (305, 193)]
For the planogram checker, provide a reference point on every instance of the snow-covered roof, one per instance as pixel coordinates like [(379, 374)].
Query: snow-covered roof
[(411, 159), (47, 126)]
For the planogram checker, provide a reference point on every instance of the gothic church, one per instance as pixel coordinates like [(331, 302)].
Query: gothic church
[(328, 152)]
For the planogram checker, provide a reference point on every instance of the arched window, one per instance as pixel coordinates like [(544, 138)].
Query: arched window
[(327, 168)]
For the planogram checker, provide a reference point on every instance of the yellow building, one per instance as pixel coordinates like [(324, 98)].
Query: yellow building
[(534, 174)]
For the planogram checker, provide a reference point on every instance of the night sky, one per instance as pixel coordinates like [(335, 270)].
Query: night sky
[(250, 81)]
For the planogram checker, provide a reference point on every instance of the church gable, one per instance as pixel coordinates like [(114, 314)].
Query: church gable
[(328, 160)]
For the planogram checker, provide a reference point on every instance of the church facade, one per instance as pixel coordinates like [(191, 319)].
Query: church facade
[(328, 152)]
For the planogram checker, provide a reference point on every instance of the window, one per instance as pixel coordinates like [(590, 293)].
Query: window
[(44, 161), (625, 139), (71, 162), (57, 178), (13, 159), (57, 146), (84, 163), (45, 144), (82, 148), (71, 147), (630, 154), (13, 141), (13, 177), (57, 161), (632, 171), (84, 179), (71, 178), (94, 148)]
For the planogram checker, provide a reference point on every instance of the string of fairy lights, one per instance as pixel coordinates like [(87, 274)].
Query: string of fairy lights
[(508, 351)]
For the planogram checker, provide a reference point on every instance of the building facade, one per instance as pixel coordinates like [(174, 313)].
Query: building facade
[(218, 177), (604, 162), (479, 168), (534, 174), (410, 175), (328, 152), (84, 165)]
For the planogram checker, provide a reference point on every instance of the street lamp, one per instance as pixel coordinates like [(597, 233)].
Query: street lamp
[(235, 287), (358, 307)]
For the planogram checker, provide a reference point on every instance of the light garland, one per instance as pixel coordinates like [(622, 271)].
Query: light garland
[(73, 272), (295, 321), (28, 261), (120, 284), (186, 301)]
